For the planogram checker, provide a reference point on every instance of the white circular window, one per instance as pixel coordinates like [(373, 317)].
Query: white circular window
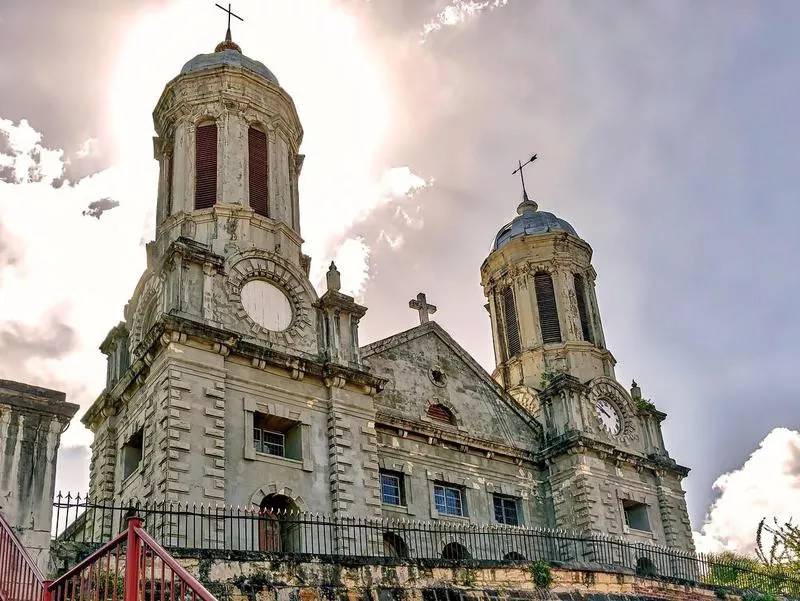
[(267, 305)]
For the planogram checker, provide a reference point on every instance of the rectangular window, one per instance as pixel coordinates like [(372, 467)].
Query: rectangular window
[(205, 166), (548, 310), (257, 148), (505, 510), (271, 443), (449, 500), (512, 327), (636, 517), (392, 489), (583, 311), (132, 452), (273, 435)]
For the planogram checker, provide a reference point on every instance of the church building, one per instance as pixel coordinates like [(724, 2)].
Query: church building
[(232, 382)]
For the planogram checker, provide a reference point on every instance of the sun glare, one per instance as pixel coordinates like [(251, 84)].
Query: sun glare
[(319, 55)]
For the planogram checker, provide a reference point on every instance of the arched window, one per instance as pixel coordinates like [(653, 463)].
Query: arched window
[(548, 311), (205, 166), (512, 326), (257, 156), (440, 413), (170, 177), (455, 551), (394, 546), (583, 310), (645, 567)]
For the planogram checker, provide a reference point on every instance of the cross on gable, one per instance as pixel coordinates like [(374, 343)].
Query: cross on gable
[(422, 306)]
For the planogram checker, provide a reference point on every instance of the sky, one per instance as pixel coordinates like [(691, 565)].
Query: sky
[(667, 136)]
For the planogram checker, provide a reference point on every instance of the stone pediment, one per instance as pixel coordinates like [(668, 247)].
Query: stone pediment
[(425, 366)]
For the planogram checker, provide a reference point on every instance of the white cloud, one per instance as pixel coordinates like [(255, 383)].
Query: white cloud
[(457, 12), (395, 242), (73, 273), (352, 260), (89, 148), (26, 158), (767, 485)]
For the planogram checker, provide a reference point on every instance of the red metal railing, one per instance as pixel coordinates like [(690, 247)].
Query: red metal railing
[(20, 578), (130, 567)]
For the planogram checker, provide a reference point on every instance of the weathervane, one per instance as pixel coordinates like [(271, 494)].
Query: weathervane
[(522, 177), (230, 14)]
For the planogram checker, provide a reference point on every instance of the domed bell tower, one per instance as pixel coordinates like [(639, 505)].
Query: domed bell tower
[(227, 145), (539, 281)]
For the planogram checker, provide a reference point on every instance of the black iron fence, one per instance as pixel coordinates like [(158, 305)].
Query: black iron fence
[(192, 528)]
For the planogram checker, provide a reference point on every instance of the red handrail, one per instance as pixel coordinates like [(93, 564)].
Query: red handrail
[(196, 587), (20, 577), (130, 567)]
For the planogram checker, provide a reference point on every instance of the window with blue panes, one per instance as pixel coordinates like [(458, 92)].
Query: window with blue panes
[(392, 489), (449, 500), (505, 510)]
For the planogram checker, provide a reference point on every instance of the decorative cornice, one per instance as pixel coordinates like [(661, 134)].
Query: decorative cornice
[(456, 437)]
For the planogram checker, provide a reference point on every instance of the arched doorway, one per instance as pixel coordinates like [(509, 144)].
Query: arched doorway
[(277, 521)]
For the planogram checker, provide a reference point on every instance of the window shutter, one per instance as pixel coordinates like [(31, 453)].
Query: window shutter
[(170, 172), (580, 296), (440, 413), (548, 312), (257, 151), (205, 166), (512, 327)]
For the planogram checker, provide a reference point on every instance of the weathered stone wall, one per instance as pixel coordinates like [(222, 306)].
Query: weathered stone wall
[(31, 422), (283, 581)]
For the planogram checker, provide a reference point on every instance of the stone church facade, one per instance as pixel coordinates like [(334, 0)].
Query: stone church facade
[(231, 381)]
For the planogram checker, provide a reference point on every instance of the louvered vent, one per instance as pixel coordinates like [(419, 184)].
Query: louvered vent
[(170, 172), (257, 149), (441, 414), (548, 312), (580, 296), (205, 166), (512, 327)]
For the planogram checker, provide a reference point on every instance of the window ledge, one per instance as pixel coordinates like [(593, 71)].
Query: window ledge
[(278, 460), (637, 532), (396, 508), (130, 478), (449, 516)]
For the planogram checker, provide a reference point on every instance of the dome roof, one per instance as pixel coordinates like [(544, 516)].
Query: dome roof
[(230, 57), (530, 222)]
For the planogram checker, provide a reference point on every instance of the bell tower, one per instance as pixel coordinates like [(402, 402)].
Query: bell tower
[(227, 146), (608, 470), (539, 282)]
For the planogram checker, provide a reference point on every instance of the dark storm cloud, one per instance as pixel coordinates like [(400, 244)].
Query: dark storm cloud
[(98, 207), (19, 342)]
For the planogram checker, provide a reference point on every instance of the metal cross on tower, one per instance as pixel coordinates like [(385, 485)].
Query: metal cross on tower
[(522, 177), (230, 14), (421, 305)]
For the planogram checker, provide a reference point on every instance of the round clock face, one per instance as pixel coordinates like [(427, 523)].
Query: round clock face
[(609, 417), (267, 305)]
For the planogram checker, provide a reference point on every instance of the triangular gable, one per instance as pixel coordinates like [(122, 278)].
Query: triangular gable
[(405, 338)]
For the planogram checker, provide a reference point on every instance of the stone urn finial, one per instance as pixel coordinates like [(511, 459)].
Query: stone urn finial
[(334, 278)]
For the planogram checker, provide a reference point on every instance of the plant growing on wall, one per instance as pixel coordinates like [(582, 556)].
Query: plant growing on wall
[(644, 404), (542, 574)]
